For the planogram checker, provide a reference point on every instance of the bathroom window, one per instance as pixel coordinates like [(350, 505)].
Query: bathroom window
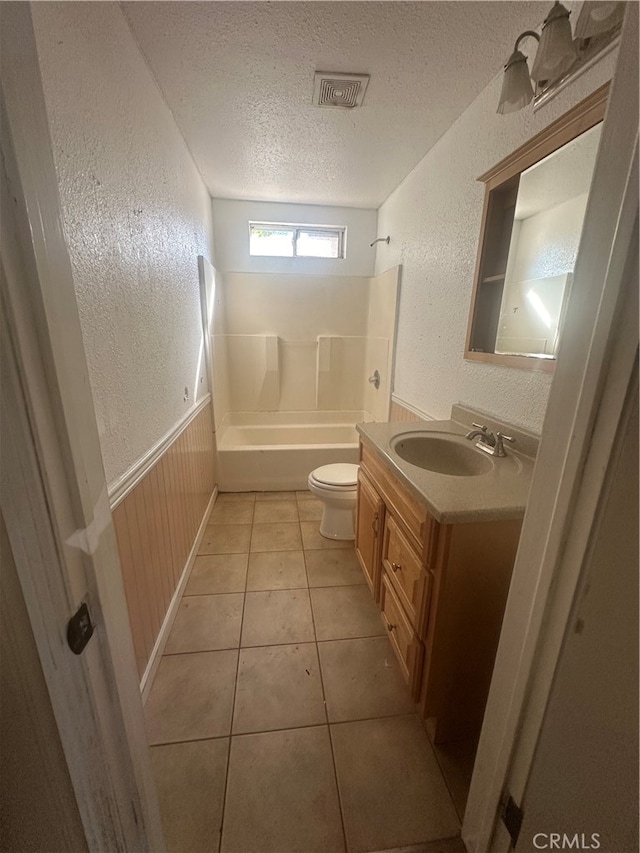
[(286, 240)]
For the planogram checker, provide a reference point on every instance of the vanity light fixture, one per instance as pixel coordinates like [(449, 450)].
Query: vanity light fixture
[(597, 17), (556, 52), (517, 89), (559, 56)]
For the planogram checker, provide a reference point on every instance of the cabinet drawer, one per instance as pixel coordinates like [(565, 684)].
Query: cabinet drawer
[(408, 648), (404, 568)]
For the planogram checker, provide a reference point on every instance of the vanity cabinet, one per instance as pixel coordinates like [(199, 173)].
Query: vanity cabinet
[(369, 521), (441, 589)]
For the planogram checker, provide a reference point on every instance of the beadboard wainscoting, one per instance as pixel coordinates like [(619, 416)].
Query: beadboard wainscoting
[(159, 511), (401, 412)]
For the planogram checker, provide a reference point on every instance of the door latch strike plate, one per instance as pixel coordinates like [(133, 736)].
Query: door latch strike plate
[(79, 629)]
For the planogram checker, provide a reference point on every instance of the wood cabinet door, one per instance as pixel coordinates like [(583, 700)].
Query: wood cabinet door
[(404, 640), (369, 526), (404, 568)]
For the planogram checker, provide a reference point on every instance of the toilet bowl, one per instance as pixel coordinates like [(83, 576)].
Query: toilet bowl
[(336, 486)]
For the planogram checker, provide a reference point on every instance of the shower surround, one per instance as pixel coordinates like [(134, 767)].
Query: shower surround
[(292, 358)]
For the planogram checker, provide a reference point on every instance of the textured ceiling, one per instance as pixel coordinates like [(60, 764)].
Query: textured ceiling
[(238, 77)]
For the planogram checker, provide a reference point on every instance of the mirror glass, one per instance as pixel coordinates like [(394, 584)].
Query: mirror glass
[(547, 223), (534, 207)]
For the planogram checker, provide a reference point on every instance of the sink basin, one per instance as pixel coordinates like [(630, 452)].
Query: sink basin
[(442, 453)]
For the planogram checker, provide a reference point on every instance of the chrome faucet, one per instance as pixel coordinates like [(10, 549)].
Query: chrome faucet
[(487, 441), (484, 437)]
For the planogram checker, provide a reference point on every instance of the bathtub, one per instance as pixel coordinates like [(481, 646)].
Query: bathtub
[(275, 451)]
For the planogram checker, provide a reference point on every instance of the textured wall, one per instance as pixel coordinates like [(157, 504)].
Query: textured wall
[(136, 215), (231, 228), (433, 218)]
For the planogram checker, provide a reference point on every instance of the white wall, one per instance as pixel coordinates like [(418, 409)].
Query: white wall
[(231, 230), (136, 216), (381, 332), (433, 219), (295, 307), (271, 348), (304, 343)]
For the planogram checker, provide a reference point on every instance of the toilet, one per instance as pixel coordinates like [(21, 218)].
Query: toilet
[(336, 485)]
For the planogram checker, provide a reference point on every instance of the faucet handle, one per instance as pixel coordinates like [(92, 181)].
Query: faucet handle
[(483, 427), (500, 437)]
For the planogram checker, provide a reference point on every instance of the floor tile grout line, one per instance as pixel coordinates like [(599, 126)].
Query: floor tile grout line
[(288, 588), (267, 550), (267, 645), (282, 729), (327, 723), (411, 714), (326, 712), (203, 594), (335, 774), (233, 709), (348, 639), (187, 740), (315, 635), (273, 588)]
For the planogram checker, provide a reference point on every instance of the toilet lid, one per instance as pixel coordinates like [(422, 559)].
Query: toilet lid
[(337, 474)]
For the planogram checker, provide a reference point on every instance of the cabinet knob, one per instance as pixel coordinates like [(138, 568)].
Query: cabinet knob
[(374, 523), (396, 567), (390, 627)]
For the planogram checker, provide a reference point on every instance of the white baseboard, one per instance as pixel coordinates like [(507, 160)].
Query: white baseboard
[(154, 660)]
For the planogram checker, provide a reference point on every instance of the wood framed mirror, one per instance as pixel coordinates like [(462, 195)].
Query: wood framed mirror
[(534, 207)]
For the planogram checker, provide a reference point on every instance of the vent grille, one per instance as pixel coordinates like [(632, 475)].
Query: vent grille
[(339, 90)]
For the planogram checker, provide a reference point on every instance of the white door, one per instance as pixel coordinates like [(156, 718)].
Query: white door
[(584, 777), (53, 490)]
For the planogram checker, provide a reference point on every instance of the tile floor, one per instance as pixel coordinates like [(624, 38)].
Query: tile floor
[(278, 720)]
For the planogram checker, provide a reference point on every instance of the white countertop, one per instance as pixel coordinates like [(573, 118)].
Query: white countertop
[(498, 495)]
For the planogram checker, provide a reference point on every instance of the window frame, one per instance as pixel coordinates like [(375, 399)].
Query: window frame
[(296, 228)]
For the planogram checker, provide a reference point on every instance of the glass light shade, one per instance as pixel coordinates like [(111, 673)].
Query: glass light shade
[(517, 90), (597, 17), (556, 51)]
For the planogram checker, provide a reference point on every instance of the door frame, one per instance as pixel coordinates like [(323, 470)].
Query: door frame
[(53, 487), (595, 364)]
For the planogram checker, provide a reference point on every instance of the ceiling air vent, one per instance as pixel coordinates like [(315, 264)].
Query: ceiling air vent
[(339, 90)]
